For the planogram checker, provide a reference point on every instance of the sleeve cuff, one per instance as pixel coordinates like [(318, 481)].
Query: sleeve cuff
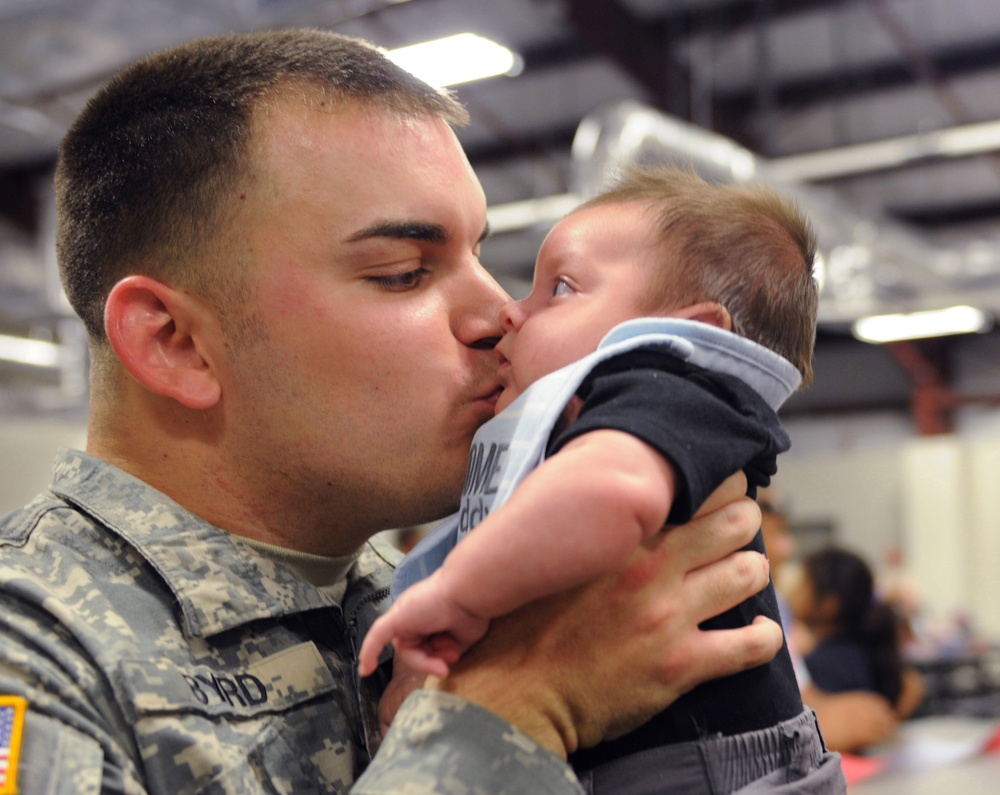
[(440, 743)]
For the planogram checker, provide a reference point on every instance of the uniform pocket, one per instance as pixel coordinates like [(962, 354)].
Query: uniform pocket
[(261, 728)]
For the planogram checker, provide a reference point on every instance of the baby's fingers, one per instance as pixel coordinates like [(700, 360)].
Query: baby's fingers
[(416, 658), (378, 637), (443, 646)]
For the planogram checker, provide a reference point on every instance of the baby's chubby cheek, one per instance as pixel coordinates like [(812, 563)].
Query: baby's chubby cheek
[(508, 396)]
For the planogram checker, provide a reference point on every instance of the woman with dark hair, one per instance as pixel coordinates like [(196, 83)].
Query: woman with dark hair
[(857, 637)]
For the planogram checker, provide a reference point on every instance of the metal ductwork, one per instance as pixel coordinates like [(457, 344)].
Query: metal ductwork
[(870, 264)]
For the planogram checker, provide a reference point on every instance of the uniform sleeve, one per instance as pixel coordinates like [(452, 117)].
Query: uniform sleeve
[(67, 746), (57, 759), (707, 425), (444, 745)]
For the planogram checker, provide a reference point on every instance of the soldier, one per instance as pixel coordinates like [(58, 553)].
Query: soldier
[(273, 242)]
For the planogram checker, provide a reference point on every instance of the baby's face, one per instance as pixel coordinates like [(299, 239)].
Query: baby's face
[(591, 274)]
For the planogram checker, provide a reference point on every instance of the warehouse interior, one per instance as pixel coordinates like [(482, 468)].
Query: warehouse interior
[(881, 117)]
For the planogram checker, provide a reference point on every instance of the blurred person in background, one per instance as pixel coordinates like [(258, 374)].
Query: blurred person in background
[(850, 720), (854, 639)]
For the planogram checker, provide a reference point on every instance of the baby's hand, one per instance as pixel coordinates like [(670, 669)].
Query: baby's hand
[(427, 628), (429, 656), (404, 681)]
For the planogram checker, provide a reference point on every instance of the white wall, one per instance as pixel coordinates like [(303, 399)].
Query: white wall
[(847, 471)]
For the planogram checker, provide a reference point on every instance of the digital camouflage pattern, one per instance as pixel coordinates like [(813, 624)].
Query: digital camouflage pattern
[(160, 654), (437, 744)]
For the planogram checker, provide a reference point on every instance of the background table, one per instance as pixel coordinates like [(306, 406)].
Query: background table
[(944, 755)]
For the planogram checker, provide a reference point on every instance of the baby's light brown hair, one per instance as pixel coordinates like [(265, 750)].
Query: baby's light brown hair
[(743, 246)]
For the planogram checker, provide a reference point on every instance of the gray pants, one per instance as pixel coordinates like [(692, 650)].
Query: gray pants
[(785, 759)]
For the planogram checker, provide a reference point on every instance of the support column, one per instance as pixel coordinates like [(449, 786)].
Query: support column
[(937, 535)]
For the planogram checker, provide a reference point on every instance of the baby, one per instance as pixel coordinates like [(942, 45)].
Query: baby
[(668, 320)]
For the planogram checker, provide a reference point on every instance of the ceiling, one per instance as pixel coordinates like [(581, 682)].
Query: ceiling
[(877, 114)]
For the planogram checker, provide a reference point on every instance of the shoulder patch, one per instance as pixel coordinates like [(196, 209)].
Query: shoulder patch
[(12, 709)]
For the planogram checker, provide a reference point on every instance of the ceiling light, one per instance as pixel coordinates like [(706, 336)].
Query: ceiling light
[(456, 59), (22, 350), (917, 325), (522, 214)]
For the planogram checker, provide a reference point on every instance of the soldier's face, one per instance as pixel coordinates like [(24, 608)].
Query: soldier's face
[(375, 320)]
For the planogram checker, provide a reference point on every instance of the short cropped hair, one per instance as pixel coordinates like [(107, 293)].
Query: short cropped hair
[(743, 246), (141, 172)]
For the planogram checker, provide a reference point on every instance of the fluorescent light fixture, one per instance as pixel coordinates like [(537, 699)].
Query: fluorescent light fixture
[(918, 325), (522, 214), (22, 350), (456, 59)]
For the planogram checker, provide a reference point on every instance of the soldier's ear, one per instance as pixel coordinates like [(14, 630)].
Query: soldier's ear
[(710, 312), (160, 336)]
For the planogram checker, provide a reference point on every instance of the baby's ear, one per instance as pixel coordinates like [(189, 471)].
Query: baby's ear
[(706, 312)]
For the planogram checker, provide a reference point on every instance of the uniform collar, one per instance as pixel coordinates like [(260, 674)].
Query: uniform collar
[(219, 582)]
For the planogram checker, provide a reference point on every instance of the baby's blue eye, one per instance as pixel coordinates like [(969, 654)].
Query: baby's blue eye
[(561, 288)]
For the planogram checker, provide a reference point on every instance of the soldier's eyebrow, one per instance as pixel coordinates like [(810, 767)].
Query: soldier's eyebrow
[(409, 230), (402, 230)]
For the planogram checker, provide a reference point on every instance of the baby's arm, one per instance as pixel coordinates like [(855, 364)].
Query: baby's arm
[(580, 514), (429, 627)]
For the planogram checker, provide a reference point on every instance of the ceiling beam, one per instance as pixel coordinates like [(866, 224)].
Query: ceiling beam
[(644, 46), (790, 94), (938, 216), (733, 16), (19, 201), (556, 54), (931, 399), (640, 48)]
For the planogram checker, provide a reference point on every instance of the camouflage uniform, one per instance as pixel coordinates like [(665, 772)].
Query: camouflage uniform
[(160, 654)]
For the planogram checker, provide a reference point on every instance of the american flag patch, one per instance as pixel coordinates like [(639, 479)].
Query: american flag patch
[(12, 710)]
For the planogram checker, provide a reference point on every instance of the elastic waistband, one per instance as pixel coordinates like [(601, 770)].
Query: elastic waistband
[(715, 764)]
